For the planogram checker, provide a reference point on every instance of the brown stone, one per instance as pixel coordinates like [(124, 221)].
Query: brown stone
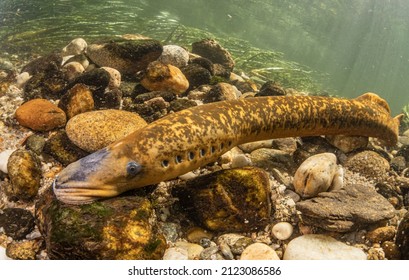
[(353, 207), (77, 100), (228, 200), (40, 115), (162, 77)]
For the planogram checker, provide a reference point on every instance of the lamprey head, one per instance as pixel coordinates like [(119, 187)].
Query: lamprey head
[(99, 175)]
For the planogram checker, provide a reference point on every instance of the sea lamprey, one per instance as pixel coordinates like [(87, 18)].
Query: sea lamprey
[(189, 139)]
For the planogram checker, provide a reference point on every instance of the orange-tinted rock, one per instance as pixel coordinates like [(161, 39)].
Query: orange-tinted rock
[(77, 100), (40, 115), (162, 77)]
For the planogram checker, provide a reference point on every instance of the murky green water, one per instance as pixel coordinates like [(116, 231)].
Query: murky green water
[(344, 47)]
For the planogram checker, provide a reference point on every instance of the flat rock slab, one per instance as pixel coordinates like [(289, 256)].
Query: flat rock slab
[(351, 208)]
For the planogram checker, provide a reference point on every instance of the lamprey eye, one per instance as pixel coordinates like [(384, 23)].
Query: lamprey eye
[(132, 168)]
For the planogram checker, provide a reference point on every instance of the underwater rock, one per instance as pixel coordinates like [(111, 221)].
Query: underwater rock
[(98, 79), (81, 59), (44, 64), (77, 100), (4, 158), (318, 173), (282, 230), (72, 70), (40, 115), (95, 130), (404, 152), (22, 79), (23, 250), (402, 237), (115, 77), (175, 55), (203, 62), (16, 222), (24, 169), (271, 88), (348, 209), (166, 95), (196, 234), (221, 92), (321, 247), (109, 99), (128, 56), (259, 251), (247, 86), (47, 85), (62, 149), (369, 164), (117, 228), (236, 242), (75, 47), (252, 146), (181, 104), (161, 77), (213, 51), (196, 75), (381, 234), (176, 253), (193, 250), (35, 143), (347, 143), (398, 163), (391, 250), (272, 158), (392, 193), (235, 200)]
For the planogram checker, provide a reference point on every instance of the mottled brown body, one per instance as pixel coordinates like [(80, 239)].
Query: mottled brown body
[(184, 141)]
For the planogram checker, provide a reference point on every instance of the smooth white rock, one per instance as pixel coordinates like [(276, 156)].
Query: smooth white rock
[(4, 158), (3, 255), (176, 253), (259, 251), (318, 173), (252, 146), (175, 55), (73, 70), (76, 46), (115, 77), (193, 250), (282, 230), (321, 247), (240, 160), (22, 79)]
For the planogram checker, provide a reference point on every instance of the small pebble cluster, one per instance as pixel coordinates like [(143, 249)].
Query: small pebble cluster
[(294, 198)]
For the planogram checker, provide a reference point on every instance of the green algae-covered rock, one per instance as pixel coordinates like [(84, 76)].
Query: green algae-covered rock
[(62, 149), (229, 200), (117, 228), (127, 56)]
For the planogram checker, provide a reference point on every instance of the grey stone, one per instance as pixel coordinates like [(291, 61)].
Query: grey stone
[(347, 209)]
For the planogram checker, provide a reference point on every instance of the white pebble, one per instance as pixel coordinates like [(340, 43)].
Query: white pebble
[(22, 79), (259, 251), (76, 46), (73, 70), (175, 55), (318, 173), (240, 160), (176, 253), (193, 250), (282, 230), (3, 255), (321, 247), (115, 77), (4, 158)]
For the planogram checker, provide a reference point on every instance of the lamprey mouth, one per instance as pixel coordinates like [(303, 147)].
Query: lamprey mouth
[(81, 192)]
